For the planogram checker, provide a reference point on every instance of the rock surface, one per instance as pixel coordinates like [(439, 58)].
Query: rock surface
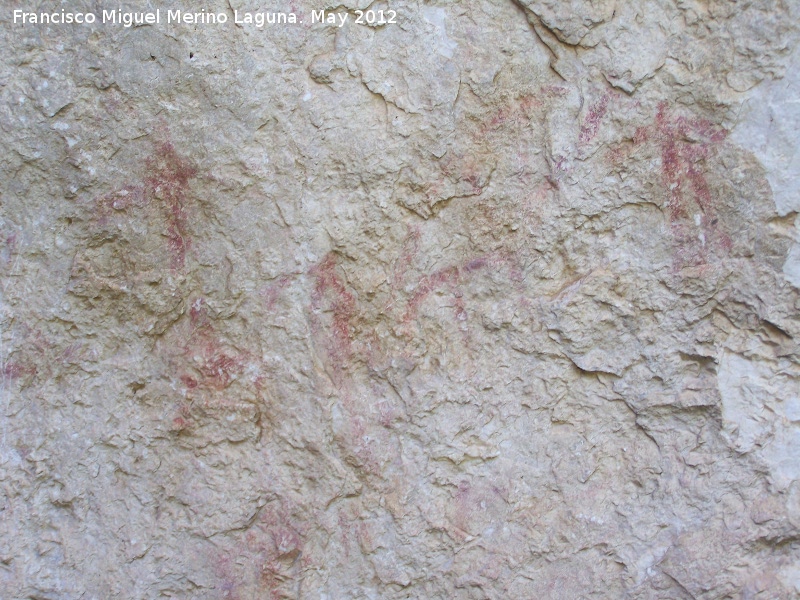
[(499, 301)]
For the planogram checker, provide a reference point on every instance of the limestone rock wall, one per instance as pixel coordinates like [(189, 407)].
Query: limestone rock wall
[(499, 301)]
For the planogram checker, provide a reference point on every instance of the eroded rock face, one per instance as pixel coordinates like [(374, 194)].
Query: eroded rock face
[(500, 301)]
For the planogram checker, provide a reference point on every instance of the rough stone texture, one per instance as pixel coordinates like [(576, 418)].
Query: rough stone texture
[(500, 301)]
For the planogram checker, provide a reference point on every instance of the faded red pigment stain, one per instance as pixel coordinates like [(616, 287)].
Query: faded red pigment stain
[(470, 175), (276, 545), (334, 323), (553, 91), (690, 198), (345, 521), (331, 294), (168, 182), (13, 370), (364, 445), (216, 366), (685, 146), (183, 420), (387, 414), (37, 356), (165, 189), (203, 363), (443, 278), (298, 8), (475, 180), (272, 292), (474, 505), (126, 198), (343, 343), (464, 505), (452, 278), (9, 250), (515, 113), (223, 566), (594, 116), (408, 251)]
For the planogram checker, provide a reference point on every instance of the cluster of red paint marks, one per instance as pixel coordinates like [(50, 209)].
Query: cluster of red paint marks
[(452, 279), (333, 316), (509, 114), (516, 113), (128, 197), (164, 188), (345, 518), (680, 158), (475, 180), (475, 504), (217, 366), (367, 444), (685, 145), (168, 182), (293, 7), (277, 541), (465, 502), (344, 343), (203, 363), (223, 566), (272, 292), (365, 534), (591, 124), (387, 414), (14, 370), (447, 277), (553, 91), (469, 174), (408, 251), (365, 436), (183, 420), (10, 249), (332, 294), (561, 164), (38, 354)]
